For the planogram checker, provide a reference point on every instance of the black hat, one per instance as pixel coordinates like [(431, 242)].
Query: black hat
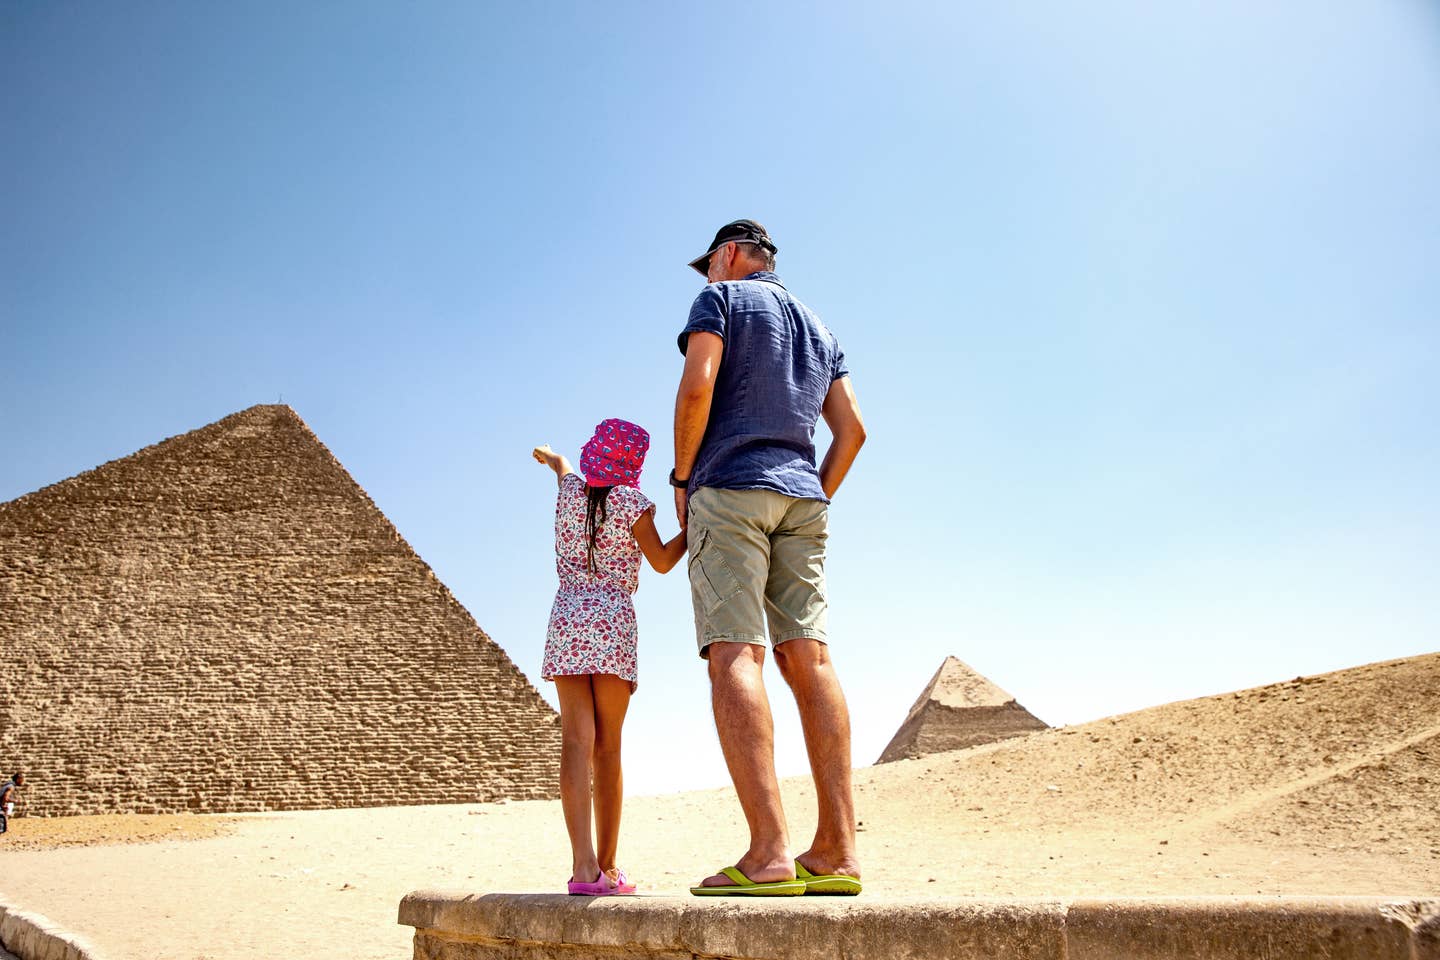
[(742, 231)]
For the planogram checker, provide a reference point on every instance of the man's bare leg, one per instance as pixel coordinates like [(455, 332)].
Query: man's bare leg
[(825, 718), (747, 737)]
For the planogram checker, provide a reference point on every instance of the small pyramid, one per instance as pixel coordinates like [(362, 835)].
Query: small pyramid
[(225, 621), (958, 709)]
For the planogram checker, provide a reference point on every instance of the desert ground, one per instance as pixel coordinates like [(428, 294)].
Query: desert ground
[(1320, 785)]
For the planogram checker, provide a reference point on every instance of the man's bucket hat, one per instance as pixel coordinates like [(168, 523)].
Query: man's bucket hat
[(615, 454), (740, 231)]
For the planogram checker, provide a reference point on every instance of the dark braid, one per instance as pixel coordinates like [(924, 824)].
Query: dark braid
[(595, 498)]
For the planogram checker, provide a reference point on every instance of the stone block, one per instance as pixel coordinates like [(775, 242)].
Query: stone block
[(556, 927), (1225, 928), (452, 926), (1422, 917)]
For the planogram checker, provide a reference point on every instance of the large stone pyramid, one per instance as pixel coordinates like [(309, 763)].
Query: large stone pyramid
[(225, 621), (958, 709)]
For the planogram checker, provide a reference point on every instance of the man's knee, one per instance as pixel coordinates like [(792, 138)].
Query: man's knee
[(801, 659), (725, 657)]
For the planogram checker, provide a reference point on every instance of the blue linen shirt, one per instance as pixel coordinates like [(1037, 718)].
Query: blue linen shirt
[(778, 363)]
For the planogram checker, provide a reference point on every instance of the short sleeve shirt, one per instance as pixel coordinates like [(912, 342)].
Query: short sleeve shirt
[(778, 364), (617, 555)]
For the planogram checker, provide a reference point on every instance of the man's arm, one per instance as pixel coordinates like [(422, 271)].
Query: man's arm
[(692, 405), (842, 415)]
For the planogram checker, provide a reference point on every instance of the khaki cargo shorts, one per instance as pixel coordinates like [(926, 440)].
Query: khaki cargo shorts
[(756, 556)]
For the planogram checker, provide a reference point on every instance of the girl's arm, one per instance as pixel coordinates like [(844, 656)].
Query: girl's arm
[(662, 556), (561, 466)]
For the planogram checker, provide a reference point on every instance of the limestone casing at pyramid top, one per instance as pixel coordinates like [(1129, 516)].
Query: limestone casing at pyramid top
[(959, 708), (957, 684)]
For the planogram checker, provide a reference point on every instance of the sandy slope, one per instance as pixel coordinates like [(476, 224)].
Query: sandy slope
[(1323, 785)]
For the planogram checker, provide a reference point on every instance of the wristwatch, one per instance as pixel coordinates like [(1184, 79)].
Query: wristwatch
[(681, 484)]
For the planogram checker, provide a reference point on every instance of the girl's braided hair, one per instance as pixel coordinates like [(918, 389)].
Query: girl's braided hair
[(595, 513)]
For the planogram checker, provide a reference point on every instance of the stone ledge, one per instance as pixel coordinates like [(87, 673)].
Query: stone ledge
[(458, 926), (29, 936)]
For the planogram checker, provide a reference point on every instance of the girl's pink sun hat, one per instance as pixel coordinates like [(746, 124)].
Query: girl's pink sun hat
[(614, 456)]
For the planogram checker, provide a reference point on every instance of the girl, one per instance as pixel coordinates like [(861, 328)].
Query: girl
[(602, 525)]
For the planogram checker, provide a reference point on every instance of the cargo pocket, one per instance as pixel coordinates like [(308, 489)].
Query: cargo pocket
[(710, 576)]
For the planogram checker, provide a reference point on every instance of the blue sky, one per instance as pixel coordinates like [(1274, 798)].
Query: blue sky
[(1140, 303)]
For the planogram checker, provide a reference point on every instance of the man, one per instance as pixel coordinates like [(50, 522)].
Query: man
[(760, 370), (9, 793)]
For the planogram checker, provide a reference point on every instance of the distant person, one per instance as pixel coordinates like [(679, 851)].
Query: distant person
[(760, 371), (603, 524), (9, 795)]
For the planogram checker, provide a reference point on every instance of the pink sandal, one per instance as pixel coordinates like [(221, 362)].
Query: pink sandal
[(622, 883), (601, 886)]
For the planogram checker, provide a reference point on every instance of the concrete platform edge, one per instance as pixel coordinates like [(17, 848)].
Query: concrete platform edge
[(30, 936), (461, 926)]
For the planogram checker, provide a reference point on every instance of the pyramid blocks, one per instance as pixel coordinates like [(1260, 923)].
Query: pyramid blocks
[(226, 622), (959, 708)]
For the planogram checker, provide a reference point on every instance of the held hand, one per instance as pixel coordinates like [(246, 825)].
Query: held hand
[(682, 502), (544, 455)]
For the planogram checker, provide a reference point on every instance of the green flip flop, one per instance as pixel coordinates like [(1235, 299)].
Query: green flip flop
[(831, 884), (743, 886)]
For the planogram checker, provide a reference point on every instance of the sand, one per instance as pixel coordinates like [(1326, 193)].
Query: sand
[(1325, 785)]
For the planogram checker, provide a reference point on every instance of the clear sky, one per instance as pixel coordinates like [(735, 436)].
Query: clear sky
[(1140, 302)]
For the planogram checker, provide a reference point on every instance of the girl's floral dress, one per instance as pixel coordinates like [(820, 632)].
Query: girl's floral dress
[(592, 623)]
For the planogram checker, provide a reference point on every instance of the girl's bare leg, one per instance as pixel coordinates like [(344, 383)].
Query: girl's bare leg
[(577, 744), (612, 699)]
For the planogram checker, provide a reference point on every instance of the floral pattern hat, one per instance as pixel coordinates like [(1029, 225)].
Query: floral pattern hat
[(615, 454)]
